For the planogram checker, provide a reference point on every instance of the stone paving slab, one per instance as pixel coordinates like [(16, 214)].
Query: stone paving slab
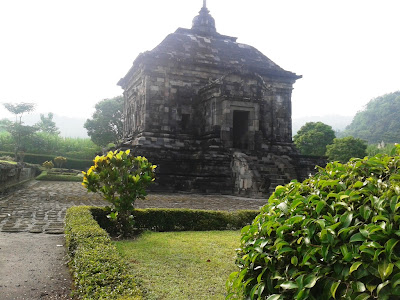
[(41, 206)]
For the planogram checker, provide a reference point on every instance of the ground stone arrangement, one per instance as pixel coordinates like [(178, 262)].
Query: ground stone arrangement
[(40, 207), (213, 114)]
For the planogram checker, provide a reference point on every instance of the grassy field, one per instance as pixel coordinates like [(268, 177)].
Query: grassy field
[(182, 265)]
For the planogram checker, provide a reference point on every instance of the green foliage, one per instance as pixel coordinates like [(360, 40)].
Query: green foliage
[(19, 133), (167, 219), (334, 236), (4, 123), (47, 176), (59, 161), (47, 125), (379, 121), (121, 179), (374, 149), (20, 136), (72, 163), (44, 143), (345, 148), (98, 270), (106, 125), (313, 137), (48, 165)]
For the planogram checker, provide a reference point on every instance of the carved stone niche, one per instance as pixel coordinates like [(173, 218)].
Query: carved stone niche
[(231, 109)]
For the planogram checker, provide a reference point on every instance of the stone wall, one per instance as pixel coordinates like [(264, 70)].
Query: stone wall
[(306, 165), (13, 174), (189, 171)]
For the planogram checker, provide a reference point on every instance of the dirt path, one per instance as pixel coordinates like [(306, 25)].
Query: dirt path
[(33, 266)]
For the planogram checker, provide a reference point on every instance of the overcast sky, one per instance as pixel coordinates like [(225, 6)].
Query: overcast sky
[(68, 55)]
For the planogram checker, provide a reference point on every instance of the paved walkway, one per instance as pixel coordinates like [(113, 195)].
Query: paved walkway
[(32, 252), (40, 207)]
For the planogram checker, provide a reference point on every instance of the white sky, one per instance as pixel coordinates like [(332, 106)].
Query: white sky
[(68, 55)]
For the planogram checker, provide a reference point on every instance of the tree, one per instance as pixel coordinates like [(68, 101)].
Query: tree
[(106, 124), (313, 138), (20, 133), (47, 125), (345, 148), (122, 179), (379, 121), (19, 109)]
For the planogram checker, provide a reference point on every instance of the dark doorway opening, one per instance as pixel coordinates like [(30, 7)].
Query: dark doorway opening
[(240, 129), (185, 122)]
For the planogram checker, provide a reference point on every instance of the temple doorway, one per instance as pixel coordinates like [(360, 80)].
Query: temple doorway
[(240, 129)]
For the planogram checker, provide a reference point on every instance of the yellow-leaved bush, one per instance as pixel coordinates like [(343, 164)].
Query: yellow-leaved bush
[(121, 178)]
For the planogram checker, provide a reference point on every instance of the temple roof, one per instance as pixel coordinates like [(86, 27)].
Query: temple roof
[(202, 45)]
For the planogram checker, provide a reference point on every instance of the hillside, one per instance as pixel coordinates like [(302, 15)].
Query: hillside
[(379, 121)]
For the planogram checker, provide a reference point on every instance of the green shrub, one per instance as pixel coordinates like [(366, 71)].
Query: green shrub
[(48, 165), (59, 161), (98, 270), (166, 219), (336, 235), (45, 176), (122, 179)]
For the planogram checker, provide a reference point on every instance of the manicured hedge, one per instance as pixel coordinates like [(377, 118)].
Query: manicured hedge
[(72, 163), (58, 177), (98, 270), (163, 219)]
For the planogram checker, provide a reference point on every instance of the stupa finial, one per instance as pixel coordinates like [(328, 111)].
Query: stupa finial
[(204, 22)]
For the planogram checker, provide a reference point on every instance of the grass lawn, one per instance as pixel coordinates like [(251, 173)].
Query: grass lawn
[(182, 265)]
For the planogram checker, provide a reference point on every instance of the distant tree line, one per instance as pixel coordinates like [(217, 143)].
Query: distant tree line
[(373, 130), (41, 138)]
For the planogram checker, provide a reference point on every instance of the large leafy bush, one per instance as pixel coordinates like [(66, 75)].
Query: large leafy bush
[(336, 235)]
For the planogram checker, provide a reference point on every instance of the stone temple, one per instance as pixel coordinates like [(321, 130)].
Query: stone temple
[(212, 113)]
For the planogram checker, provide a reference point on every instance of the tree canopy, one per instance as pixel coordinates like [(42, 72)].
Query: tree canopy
[(379, 121), (19, 109), (106, 124), (313, 137), (345, 148), (47, 125)]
